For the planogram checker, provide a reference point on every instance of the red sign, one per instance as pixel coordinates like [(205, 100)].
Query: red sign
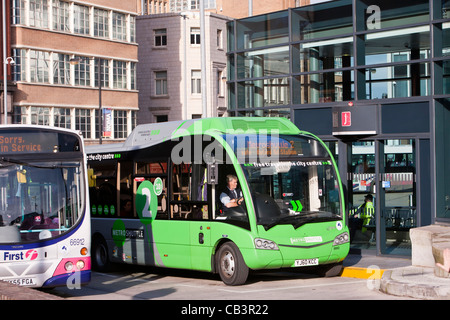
[(346, 118)]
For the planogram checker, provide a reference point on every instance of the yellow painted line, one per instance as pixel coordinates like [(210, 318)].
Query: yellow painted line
[(362, 273)]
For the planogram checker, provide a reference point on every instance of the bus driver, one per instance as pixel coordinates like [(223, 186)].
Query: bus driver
[(231, 196)]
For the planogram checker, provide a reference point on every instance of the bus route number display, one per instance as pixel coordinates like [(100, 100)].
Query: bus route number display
[(27, 143)]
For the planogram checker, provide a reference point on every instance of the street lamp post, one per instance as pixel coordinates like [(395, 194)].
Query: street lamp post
[(100, 115), (203, 59), (5, 63)]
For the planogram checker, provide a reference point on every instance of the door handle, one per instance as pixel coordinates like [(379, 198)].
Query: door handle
[(201, 238)]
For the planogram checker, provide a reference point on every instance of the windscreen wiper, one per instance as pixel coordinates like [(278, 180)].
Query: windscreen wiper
[(301, 219)]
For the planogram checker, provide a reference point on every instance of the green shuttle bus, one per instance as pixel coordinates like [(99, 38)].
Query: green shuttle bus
[(160, 198)]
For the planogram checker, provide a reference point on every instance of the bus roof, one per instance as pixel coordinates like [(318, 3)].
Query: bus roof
[(146, 135)]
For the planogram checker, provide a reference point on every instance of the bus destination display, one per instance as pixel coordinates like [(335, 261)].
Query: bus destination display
[(28, 142)]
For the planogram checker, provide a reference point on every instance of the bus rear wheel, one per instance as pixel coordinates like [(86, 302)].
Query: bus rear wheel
[(231, 265)]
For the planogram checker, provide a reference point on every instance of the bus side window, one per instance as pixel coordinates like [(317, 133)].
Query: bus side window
[(102, 191), (126, 190), (236, 214), (151, 172), (189, 192)]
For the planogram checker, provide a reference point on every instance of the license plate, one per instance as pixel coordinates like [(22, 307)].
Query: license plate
[(307, 262), (22, 281)]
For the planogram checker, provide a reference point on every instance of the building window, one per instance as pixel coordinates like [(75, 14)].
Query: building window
[(160, 37), (133, 120), (195, 36), (104, 72), (61, 118), (196, 82), (39, 66), (19, 67), (120, 75), (161, 83), (61, 68), (162, 118), (81, 19), (83, 72), (133, 76), (38, 15), (40, 116), (220, 83), (132, 29), (195, 5), (119, 26), (18, 12), (83, 122), (219, 39), (101, 23), (120, 124), (61, 15), (20, 115)]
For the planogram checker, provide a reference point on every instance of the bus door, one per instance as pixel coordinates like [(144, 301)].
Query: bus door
[(189, 213), (166, 233)]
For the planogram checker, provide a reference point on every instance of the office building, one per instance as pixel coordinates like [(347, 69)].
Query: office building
[(170, 70), (230, 8), (372, 79), (60, 50)]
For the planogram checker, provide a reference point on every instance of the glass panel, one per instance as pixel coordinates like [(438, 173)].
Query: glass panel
[(443, 158), (323, 87), (446, 67), (320, 55), (264, 30), (285, 113), (264, 62), (384, 14), (362, 196), (412, 44), (263, 93), (311, 22), (399, 187), (446, 38), (446, 9), (230, 28), (398, 81)]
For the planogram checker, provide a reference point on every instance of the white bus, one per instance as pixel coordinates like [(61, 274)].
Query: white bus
[(44, 208)]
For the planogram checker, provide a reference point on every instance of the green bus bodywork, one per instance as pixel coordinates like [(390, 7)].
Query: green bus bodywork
[(211, 244)]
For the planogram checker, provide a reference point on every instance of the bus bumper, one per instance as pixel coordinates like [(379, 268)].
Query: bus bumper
[(72, 280), (287, 257)]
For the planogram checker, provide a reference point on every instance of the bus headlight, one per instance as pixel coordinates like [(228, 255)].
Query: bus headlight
[(68, 266), (265, 244), (80, 264), (341, 239)]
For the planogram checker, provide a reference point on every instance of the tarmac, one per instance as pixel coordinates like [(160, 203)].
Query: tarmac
[(391, 275)]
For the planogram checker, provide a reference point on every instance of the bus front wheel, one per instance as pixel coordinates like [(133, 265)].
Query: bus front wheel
[(100, 256), (231, 265)]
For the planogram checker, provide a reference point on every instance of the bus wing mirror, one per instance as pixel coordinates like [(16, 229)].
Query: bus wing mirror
[(212, 173)]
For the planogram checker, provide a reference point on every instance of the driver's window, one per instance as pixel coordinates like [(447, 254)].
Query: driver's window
[(231, 204)]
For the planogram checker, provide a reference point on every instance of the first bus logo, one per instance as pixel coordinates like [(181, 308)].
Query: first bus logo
[(29, 255)]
